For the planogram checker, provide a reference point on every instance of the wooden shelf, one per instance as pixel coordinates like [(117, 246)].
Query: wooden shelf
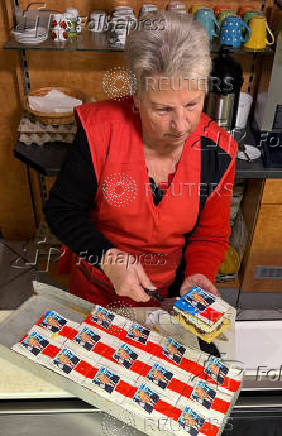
[(97, 42)]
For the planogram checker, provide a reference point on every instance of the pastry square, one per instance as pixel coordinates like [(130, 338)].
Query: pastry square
[(58, 325), (204, 394), (102, 317), (159, 375), (37, 343), (125, 355), (106, 379), (173, 351), (204, 314), (146, 398), (167, 395), (66, 360), (138, 333), (191, 421), (87, 337), (213, 418), (216, 370), (53, 322)]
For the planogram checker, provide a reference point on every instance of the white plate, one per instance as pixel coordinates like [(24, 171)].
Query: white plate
[(24, 35), (31, 29), (30, 33), (31, 40), (40, 36), (37, 38)]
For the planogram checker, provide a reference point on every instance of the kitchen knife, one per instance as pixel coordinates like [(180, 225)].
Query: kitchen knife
[(153, 294)]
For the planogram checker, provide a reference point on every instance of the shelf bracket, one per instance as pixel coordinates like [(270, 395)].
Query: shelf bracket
[(25, 71), (251, 76)]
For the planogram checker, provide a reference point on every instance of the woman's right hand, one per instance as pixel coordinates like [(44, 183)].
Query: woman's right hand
[(129, 278)]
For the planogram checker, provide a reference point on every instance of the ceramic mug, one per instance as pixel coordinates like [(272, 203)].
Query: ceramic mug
[(218, 9), (250, 14), (71, 15), (231, 32), (77, 25), (206, 17), (60, 24), (260, 29), (244, 9), (175, 6)]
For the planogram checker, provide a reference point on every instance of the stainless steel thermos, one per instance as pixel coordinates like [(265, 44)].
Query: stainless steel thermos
[(225, 82)]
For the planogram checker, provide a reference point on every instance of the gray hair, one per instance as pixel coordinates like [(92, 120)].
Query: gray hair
[(179, 46)]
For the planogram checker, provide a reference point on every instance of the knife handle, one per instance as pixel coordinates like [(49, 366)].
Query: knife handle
[(153, 294)]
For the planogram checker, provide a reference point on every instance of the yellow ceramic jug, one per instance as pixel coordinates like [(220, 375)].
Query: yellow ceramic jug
[(259, 28)]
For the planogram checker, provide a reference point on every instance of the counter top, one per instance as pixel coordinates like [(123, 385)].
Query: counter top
[(48, 159), (256, 170)]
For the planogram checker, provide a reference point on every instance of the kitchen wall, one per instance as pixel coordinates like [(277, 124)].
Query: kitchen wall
[(82, 70)]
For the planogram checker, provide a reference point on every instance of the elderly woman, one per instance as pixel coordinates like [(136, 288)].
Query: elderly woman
[(143, 198)]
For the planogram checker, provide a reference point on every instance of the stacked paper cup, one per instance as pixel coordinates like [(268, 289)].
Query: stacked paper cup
[(245, 102), (98, 21), (123, 19), (147, 8)]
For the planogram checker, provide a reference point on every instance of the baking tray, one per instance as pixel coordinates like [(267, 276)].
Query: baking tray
[(18, 323)]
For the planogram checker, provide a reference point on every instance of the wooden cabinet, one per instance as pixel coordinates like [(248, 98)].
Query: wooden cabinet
[(272, 192), (262, 268)]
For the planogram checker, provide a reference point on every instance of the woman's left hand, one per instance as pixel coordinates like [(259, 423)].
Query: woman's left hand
[(201, 281)]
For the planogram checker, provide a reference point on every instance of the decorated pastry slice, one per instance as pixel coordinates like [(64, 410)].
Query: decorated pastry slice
[(204, 314)]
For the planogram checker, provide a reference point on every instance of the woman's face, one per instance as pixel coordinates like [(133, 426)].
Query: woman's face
[(169, 110)]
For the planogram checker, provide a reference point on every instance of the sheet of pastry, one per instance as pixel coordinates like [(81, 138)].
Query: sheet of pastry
[(155, 378)]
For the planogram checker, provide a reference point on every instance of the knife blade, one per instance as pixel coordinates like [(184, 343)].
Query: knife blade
[(167, 304)]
